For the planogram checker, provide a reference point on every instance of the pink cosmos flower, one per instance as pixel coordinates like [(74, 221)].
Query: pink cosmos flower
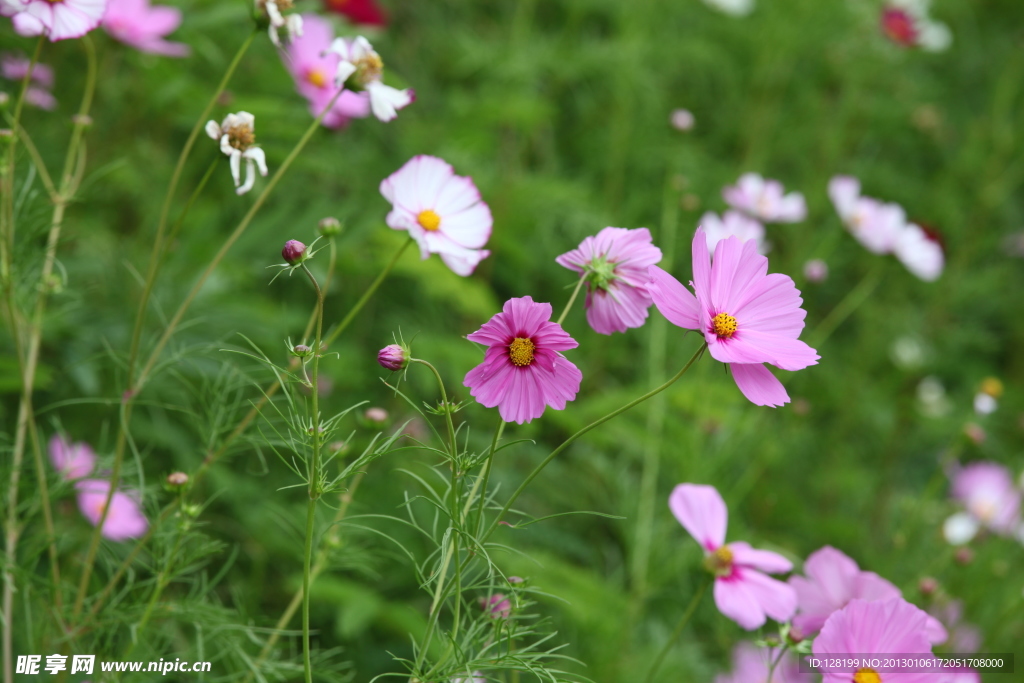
[(124, 520), (732, 223), (313, 69), (523, 371), (443, 212), (832, 581), (875, 225), (57, 20), (875, 627), (987, 491), (143, 26), (764, 200), (742, 592), (72, 460), (906, 23), (614, 264), (360, 68), (922, 255), (748, 317), (750, 664), (14, 67)]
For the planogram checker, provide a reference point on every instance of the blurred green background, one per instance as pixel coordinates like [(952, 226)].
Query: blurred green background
[(559, 111)]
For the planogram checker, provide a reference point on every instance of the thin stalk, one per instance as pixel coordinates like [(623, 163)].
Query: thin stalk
[(307, 553), (155, 258), (161, 583), (849, 303), (487, 473), (694, 601), (176, 228), (596, 423), (775, 662), (572, 299)]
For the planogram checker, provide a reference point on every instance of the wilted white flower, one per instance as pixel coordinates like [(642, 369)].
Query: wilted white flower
[(361, 68), (237, 140), (292, 24)]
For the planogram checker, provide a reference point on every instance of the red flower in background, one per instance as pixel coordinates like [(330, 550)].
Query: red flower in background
[(366, 12), (897, 25)]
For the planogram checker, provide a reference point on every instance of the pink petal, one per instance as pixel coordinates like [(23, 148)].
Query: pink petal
[(525, 316), (759, 385), (765, 560), (734, 269), (674, 301), (736, 600), (776, 598), (752, 346), (702, 512)]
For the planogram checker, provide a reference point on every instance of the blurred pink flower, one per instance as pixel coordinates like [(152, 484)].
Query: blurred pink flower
[(907, 23), (922, 255), (832, 581), (313, 69), (57, 20), (523, 371), (750, 664), (360, 68), (143, 26), (816, 270), (748, 317), (366, 12), (443, 212), (614, 264), (881, 627), (731, 224), (40, 98), (742, 592), (497, 606), (72, 460), (990, 499), (682, 119), (764, 200), (13, 67), (124, 520)]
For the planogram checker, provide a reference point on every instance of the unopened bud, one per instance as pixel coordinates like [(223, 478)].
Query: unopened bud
[(393, 357), (927, 585), (682, 119), (963, 556), (795, 635), (376, 417), (301, 350), (816, 270), (177, 479), (294, 252), (329, 227)]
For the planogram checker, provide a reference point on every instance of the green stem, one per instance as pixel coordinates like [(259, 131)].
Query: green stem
[(176, 228), (487, 474), (565, 444), (774, 663), (155, 258), (350, 316), (572, 299), (307, 555), (677, 631), (850, 303), (161, 583)]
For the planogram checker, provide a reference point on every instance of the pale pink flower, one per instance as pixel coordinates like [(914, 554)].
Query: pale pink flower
[(874, 224), (748, 317), (523, 371), (750, 664), (143, 26), (124, 520), (922, 255), (443, 212), (682, 119), (237, 138), (313, 69), (833, 580), (72, 460), (879, 627), (614, 263), (764, 200), (990, 499), (731, 224), (816, 270), (40, 98), (361, 68), (14, 67), (742, 592), (57, 20)]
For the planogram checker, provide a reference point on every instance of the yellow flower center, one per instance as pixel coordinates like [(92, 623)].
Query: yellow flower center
[(866, 675), (719, 562), (724, 325), (521, 351), (430, 221), (368, 69), (317, 77), (241, 137)]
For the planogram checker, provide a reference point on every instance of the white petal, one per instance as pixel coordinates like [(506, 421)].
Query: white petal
[(250, 178), (339, 46), (345, 69), (294, 25), (236, 166), (213, 130), (385, 101), (225, 146), (256, 154), (959, 528)]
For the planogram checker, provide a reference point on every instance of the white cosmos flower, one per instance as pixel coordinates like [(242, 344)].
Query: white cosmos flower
[(764, 200), (732, 223), (292, 24), (875, 224), (443, 212), (921, 254), (361, 68), (237, 138)]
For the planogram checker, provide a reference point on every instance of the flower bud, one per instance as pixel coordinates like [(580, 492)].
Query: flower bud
[(963, 556), (329, 227), (393, 357), (682, 119), (294, 252), (927, 585), (177, 479), (375, 418), (816, 270), (301, 350)]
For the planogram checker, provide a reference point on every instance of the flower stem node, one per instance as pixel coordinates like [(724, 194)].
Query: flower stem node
[(294, 252), (330, 227), (393, 357)]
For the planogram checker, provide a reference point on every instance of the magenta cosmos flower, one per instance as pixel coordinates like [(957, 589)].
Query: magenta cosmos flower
[(523, 371), (56, 20), (443, 212), (990, 499), (880, 627), (833, 580), (72, 460), (750, 664), (742, 592), (765, 200), (731, 224), (313, 69), (143, 26), (614, 263), (748, 317), (124, 520)]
